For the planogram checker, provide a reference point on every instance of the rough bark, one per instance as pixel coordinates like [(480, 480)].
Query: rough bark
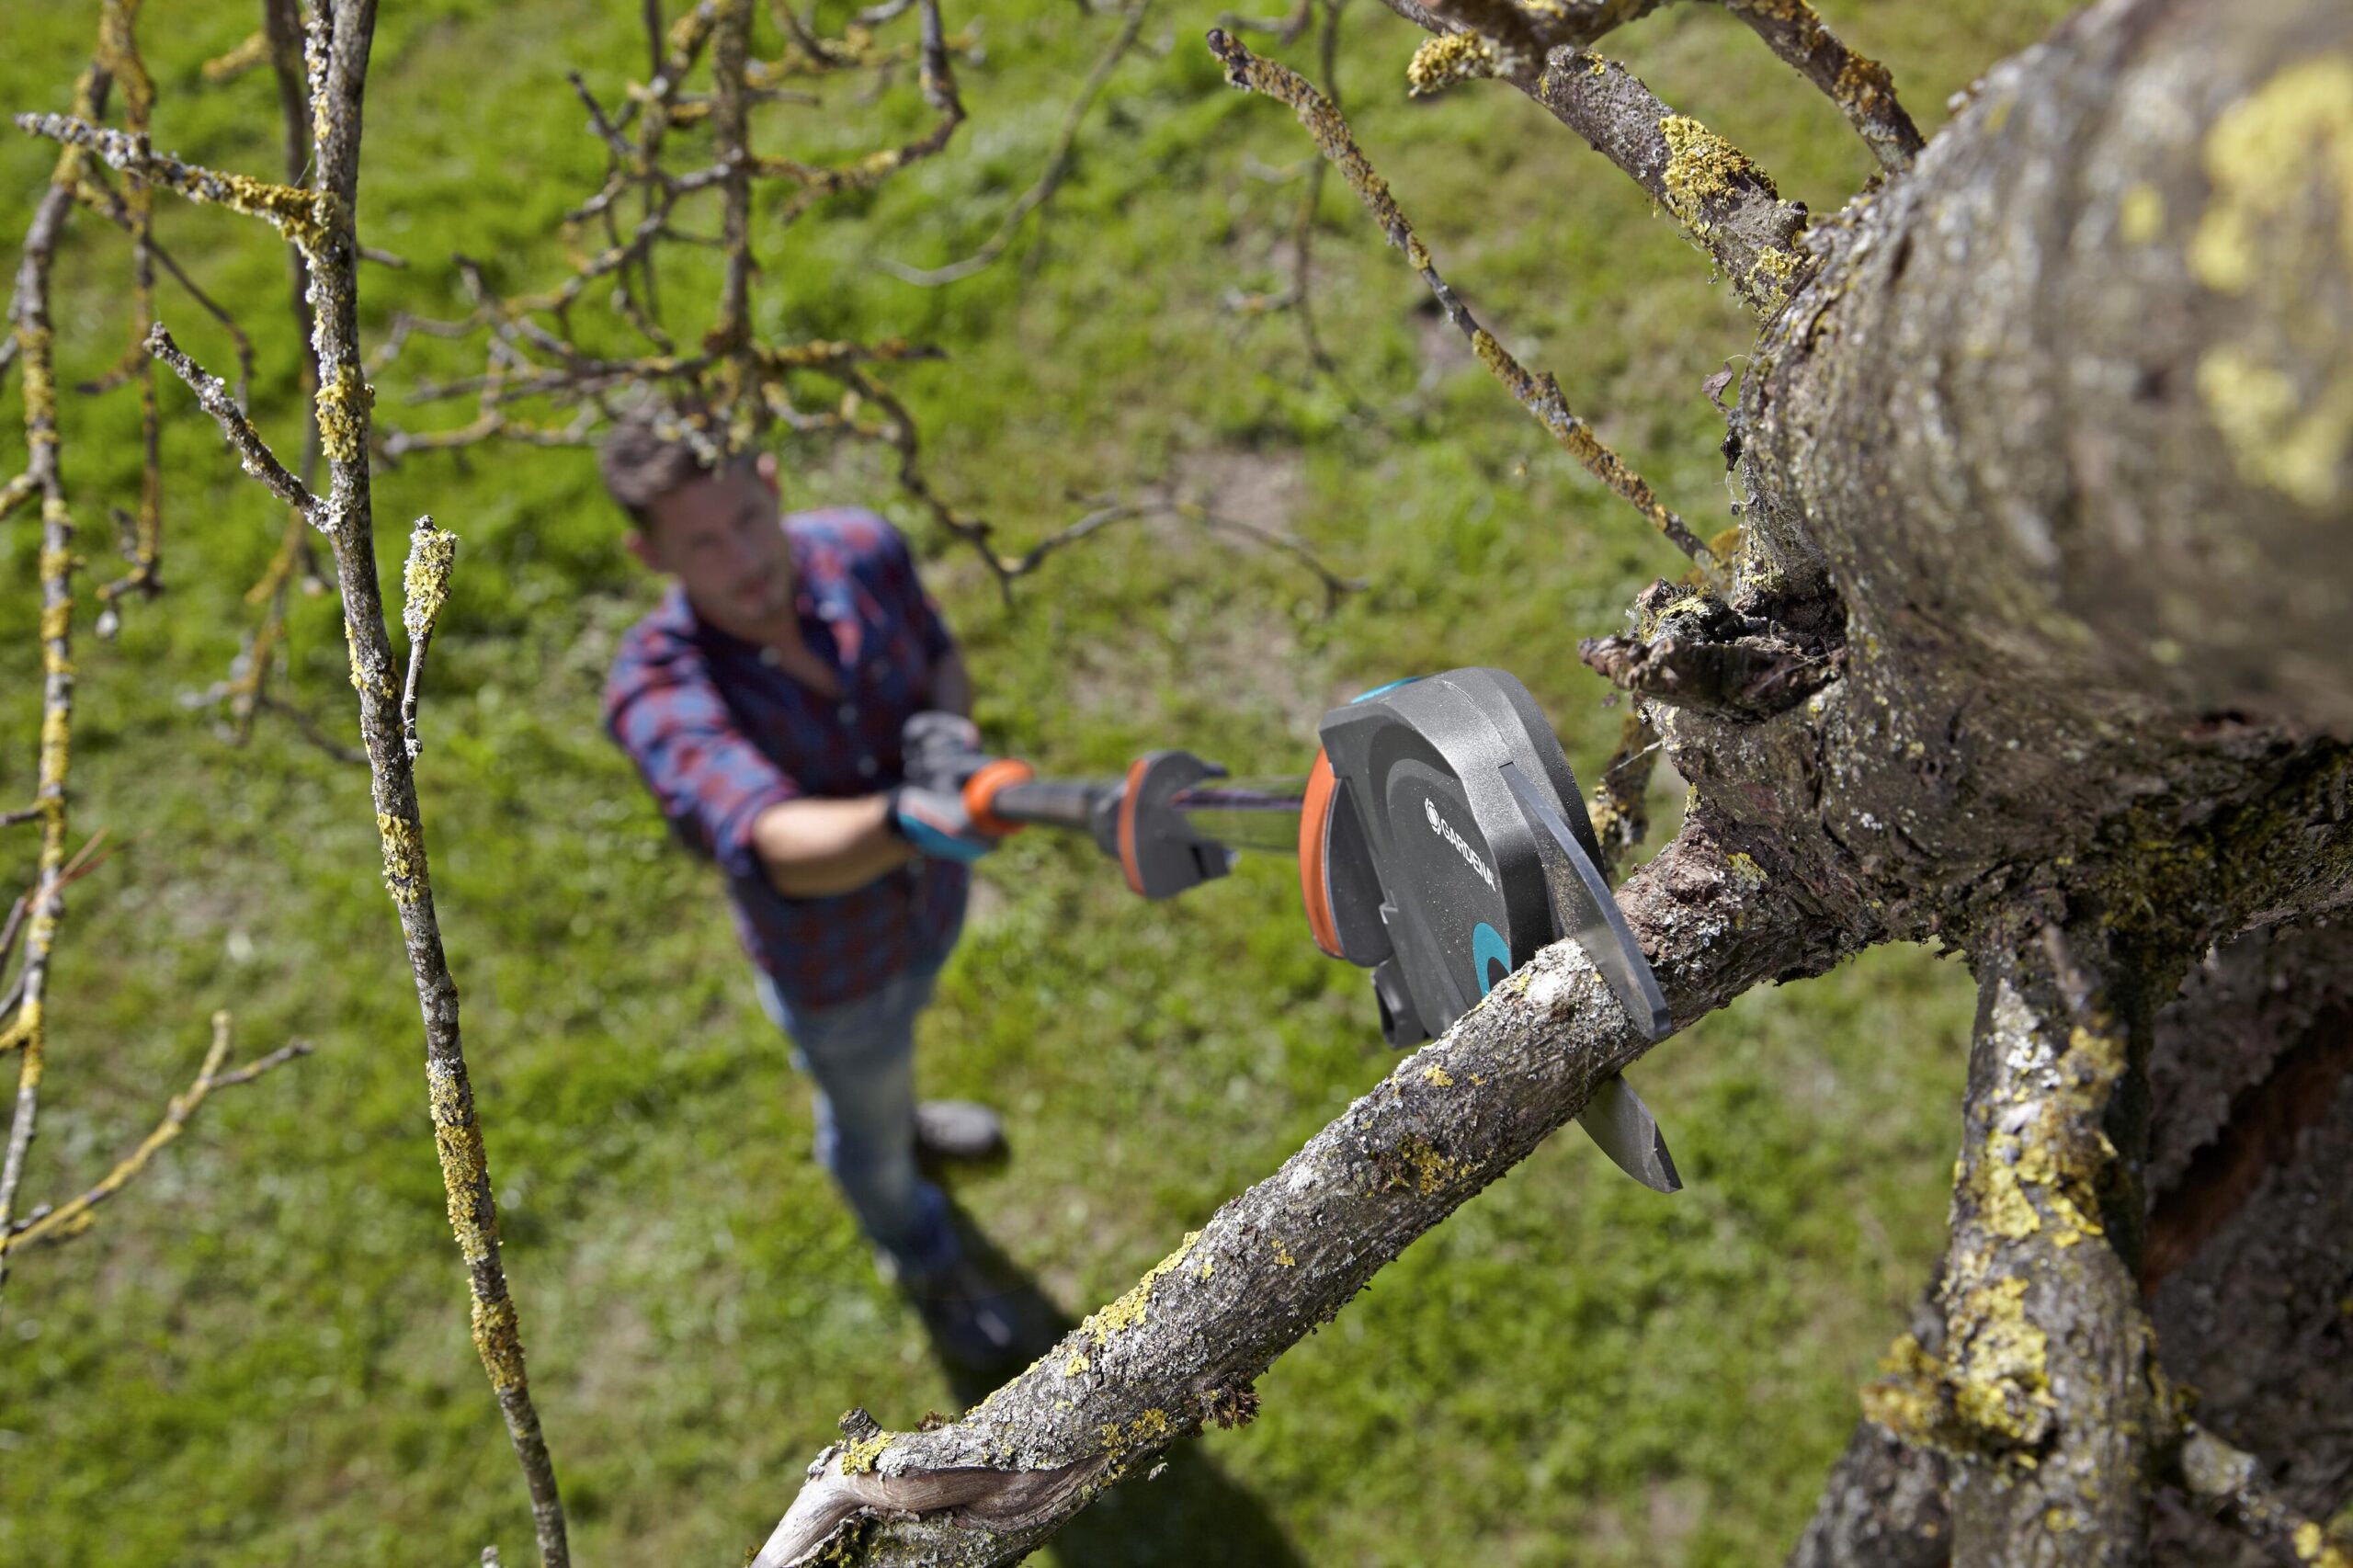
[(2251, 1229), (2250, 1131)]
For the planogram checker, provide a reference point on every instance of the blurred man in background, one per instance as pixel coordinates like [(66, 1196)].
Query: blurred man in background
[(779, 704)]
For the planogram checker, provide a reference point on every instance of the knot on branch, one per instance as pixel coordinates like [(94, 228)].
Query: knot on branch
[(1693, 651)]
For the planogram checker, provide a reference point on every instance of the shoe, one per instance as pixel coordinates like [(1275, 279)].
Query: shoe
[(971, 1319), (958, 1129)]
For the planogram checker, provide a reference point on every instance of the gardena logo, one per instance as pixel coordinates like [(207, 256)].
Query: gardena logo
[(1445, 830)]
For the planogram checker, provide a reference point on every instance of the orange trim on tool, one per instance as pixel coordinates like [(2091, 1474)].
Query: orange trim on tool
[(1128, 826), (981, 791), (1315, 821)]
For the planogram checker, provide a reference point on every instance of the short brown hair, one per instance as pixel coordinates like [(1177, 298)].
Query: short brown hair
[(651, 451)]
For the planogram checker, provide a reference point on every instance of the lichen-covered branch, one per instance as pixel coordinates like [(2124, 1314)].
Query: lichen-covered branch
[(2047, 1398), (76, 1215), (44, 477), (1727, 206), (424, 586), (318, 221), (1859, 86), (1277, 1261), (1540, 394), (297, 214)]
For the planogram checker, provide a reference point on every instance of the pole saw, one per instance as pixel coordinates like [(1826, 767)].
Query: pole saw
[(1442, 841)]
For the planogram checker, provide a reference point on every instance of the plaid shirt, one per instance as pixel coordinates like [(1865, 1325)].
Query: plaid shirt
[(721, 734)]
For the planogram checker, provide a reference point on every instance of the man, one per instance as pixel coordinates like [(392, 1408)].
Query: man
[(777, 704)]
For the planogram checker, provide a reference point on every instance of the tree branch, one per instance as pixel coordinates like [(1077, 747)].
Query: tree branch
[(1287, 1255), (1727, 206), (253, 453), (319, 222), (44, 474), (2047, 1397), (77, 1215), (1059, 163), (1541, 395), (1858, 85)]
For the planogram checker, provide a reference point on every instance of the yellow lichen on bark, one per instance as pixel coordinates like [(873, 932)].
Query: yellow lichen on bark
[(425, 580), (1129, 1309), (405, 873), (1701, 167), (858, 1456), (1443, 61), (343, 402), (1904, 1399), (1999, 1379), (2280, 163), (457, 1139), (498, 1339)]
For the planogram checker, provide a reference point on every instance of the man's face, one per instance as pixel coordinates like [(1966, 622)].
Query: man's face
[(721, 537)]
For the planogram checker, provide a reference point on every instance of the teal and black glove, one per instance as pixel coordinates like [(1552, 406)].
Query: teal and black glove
[(937, 823)]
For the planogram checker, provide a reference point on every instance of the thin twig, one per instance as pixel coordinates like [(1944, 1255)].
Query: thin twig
[(1059, 163), (76, 1215), (253, 453), (1541, 395)]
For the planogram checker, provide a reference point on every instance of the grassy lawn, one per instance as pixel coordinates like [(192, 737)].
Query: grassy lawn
[(261, 1356)]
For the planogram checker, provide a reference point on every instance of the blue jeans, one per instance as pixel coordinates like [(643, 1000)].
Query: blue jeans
[(861, 1053)]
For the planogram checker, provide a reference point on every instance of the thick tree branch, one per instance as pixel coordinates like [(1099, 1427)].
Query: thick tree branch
[(2047, 1396), (1287, 1254)]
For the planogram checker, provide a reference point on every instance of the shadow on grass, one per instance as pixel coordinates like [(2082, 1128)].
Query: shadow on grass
[(1183, 1510)]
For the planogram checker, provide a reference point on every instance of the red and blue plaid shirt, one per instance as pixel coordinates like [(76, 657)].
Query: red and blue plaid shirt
[(720, 733)]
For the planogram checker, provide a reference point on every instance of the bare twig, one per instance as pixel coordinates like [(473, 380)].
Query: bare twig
[(76, 1215), (1541, 395), (1059, 163), (253, 453), (318, 221)]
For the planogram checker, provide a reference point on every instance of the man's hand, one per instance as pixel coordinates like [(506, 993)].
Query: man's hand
[(940, 751), (937, 823)]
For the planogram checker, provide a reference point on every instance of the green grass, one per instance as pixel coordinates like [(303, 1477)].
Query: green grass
[(261, 1354)]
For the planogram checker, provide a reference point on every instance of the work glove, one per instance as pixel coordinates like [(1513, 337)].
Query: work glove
[(937, 823), (940, 751)]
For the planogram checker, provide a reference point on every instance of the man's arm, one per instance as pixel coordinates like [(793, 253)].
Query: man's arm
[(813, 847)]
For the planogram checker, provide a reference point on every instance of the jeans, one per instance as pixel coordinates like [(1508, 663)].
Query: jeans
[(861, 1053)]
